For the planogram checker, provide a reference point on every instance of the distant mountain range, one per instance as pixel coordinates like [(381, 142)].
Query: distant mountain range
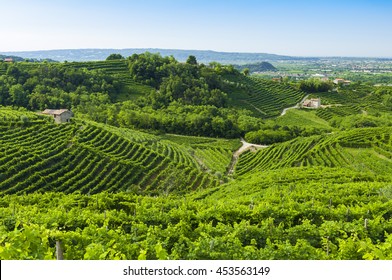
[(238, 58), (180, 55)]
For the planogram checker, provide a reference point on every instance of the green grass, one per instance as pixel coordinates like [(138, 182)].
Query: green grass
[(302, 118)]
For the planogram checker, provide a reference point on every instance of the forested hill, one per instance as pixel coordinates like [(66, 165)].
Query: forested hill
[(256, 67), (181, 55), (150, 92), (14, 58)]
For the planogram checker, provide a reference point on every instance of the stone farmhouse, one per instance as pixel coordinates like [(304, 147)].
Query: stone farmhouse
[(312, 103), (59, 115), (341, 82)]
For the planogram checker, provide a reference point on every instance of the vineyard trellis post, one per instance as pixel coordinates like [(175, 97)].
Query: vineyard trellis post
[(59, 250), (327, 245)]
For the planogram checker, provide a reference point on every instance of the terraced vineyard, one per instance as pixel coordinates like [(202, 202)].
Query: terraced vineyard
[(207, 154), (339, 111), (217, 159), (9, 115), (212, 155), (359, 149), (263, 97), (87, 158)]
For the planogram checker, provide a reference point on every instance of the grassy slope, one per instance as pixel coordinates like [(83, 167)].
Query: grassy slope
[(302, 118)]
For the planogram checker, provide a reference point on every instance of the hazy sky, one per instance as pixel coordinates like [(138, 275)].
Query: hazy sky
[(303, 28)]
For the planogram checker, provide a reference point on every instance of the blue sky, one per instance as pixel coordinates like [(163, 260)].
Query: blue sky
[(302, 28)]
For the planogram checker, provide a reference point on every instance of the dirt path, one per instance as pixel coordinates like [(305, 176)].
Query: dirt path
[(236, 155), (247, 146), (294, 107), (257, 109)]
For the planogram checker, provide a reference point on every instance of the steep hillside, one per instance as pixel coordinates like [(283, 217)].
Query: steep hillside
[(263, 97)]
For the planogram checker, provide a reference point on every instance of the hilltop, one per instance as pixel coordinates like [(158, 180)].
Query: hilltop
[(14, 58), (257, 67)]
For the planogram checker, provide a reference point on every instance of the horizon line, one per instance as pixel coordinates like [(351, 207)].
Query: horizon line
[(200, 50)]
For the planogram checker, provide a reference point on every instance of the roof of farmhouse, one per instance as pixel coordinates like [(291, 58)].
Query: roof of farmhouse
[(54, 111)]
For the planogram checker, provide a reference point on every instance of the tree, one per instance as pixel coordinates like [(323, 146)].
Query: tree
[(114, 56), (18, 95), (246, 71), (191, 60)]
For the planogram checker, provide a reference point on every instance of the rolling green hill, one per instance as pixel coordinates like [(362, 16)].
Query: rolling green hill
[(257, 67)]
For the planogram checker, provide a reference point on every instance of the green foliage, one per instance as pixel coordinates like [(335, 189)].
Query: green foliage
[(41, 85), (202, 120), (274, 133), (315, 85), (313, 213), (191, 60), (114, 56), (267, 136), (256, 67)]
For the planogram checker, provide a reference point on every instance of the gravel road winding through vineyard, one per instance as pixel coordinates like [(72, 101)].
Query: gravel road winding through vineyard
[(294, 107), (248, 146), (245, 146)]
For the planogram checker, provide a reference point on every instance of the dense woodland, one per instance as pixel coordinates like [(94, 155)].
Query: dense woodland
[(147, 168)]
